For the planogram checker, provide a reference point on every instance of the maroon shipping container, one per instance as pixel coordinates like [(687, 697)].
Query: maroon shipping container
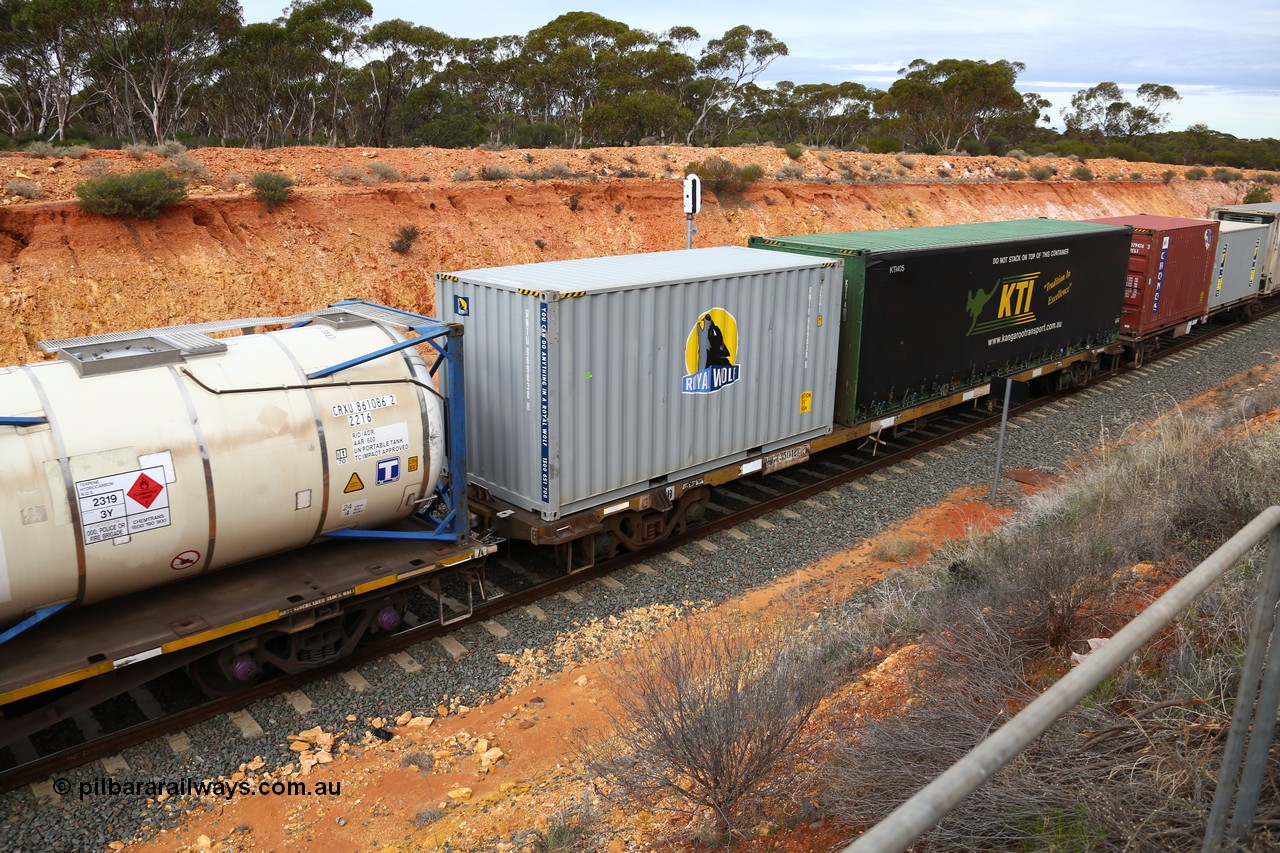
[(1170, 261)]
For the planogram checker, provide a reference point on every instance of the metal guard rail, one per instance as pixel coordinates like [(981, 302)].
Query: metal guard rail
[(914, 818)]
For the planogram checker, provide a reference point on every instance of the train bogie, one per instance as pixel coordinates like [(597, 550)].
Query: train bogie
[(931, 314), (594, 381)]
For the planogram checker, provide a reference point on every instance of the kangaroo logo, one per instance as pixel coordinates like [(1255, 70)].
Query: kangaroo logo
[(710, 353), (976, 302)]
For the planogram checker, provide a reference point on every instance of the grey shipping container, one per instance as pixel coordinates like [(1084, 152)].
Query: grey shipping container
[(591, 380), (1237, 263), (1265, 213)]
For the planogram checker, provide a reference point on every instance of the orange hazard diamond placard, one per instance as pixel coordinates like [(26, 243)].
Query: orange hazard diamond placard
[(145, 490)]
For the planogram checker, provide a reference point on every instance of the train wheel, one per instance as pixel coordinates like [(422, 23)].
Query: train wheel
[(222, 673), (1081, 373)]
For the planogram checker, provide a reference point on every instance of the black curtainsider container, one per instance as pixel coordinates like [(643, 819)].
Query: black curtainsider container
[(929, 312)]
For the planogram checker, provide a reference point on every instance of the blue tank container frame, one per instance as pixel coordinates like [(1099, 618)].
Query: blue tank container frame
[(447, 519)]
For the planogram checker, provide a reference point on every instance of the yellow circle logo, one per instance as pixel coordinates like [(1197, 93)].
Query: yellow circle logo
[(711, 353)]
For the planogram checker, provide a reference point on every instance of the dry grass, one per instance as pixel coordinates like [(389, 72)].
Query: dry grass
[(1133, 767)]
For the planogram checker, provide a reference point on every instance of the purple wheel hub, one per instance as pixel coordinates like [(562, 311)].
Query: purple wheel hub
[(388, 618), (244, 668)]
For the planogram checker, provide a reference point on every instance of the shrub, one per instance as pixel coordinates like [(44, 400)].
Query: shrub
[(1267, 178), (570, 830), (1082, 173), (45, 150), (137, 150), (944, 172), (96, 168), (495, 172), (1195, 173), (905, 161), (188, 166), (25, 189), (1227, 175), (896, 548), (720, 175), (379, 172), (1257, 195), (1018, 154), (271, 188), (143, 194), (1042, 173), (409, 232), (1168, 175), (346, 175), (400, 246), (463, 174), (172, 148), (1014, 174), (794, 150), (1135, 176), (705, 710), (1114, 177)]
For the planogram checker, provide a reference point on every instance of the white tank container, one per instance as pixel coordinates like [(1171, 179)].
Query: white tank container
[(167, 456)]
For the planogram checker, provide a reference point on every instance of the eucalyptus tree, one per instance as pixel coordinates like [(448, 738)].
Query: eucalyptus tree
[(153, 53), (1101, 112), (335, 30), (939, 104), (568, 62), (727, 65), (408, 58), (44, 63)]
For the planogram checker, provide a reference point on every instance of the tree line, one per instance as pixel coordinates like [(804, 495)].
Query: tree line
[(119, 71)]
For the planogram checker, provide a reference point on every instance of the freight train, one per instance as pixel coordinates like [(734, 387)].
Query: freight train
[(299, 477)]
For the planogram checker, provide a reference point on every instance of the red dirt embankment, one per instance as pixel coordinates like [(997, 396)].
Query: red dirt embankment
[(65, 272)]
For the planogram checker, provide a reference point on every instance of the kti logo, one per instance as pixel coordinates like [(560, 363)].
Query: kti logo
[(1012, 309), (711, 353)]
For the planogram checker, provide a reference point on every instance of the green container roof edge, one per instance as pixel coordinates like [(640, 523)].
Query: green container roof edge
[(942, 236)]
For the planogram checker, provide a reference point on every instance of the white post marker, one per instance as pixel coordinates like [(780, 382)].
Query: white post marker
[(692, 204)]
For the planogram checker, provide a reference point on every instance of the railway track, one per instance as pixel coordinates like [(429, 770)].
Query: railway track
[(519, 578)]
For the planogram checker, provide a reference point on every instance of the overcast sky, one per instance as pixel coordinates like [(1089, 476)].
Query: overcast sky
[(1224, 59)]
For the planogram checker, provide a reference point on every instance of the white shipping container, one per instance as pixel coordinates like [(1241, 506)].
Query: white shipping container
[(1237, 264), (595, 379), (1264, 213)]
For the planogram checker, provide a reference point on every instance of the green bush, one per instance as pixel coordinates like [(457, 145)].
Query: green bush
[(1227, 175), (1013, 174), (1267, 178), (1042, 173), (1082, 173), (1257, 195), (1195, 173), (495, 173), (143, 195), (905, 161), (271, 188), (720, 175), (794, 150), (1168, 175)]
